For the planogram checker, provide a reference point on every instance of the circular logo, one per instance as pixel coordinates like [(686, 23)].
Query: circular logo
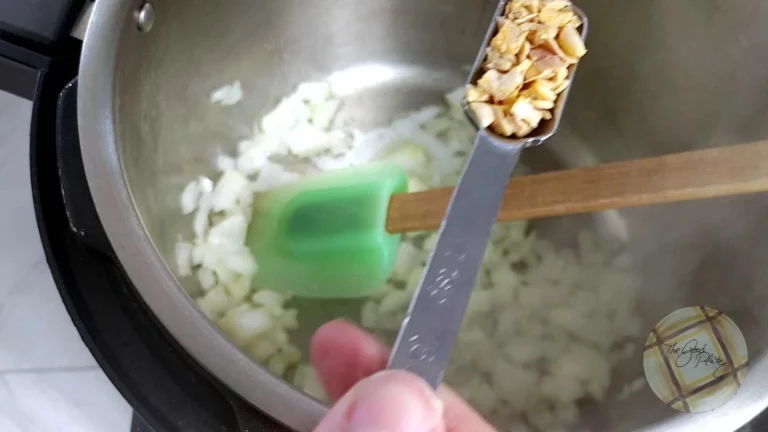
[(695, 359)]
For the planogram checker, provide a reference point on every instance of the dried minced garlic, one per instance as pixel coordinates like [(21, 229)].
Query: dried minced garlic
[(526, 66)]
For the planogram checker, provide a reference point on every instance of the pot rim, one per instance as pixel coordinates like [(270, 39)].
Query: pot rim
[(176, 310), (138, 256)]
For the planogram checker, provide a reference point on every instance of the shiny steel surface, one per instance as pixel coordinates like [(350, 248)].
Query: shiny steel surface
[(661, 76)]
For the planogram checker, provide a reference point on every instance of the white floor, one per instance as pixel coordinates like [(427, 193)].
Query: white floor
[(48, 379)]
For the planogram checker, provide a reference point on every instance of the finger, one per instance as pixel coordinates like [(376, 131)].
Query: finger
[(391, 401), (343, 354)]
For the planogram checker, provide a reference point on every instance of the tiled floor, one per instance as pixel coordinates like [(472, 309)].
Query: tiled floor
[(48, 379)]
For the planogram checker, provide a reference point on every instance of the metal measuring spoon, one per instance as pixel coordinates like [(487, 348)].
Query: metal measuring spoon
[(431, 326)]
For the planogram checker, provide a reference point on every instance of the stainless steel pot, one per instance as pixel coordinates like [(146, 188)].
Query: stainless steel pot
[(660, 77)]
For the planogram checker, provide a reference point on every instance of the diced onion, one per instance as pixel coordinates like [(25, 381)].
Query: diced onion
[(198, 254), (289, 319), (227, 95), (543, 326), (306, 140), (290, 112), (230, 231), (415, 184), (261, 350), (251, 161), (311, 383), (394, 301), (272, 176), (214, 303), (240, 261), (207, 278), (314, 92), (183, 258), (405, 258), (189, 198), (268, 299), (323, 113), (243, 323), (225, 163), (239, 288), (227, 190), (201, 221), (277, 365)]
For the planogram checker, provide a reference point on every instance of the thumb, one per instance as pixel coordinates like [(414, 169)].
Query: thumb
[(389, 401)]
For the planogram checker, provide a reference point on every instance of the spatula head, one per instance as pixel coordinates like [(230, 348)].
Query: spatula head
[(325, 236)]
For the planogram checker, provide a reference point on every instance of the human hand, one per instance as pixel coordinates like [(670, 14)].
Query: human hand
[(350, 363)]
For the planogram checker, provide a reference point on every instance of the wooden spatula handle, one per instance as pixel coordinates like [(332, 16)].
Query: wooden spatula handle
[(710, 173)]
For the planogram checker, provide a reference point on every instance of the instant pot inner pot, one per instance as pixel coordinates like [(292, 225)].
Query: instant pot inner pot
[(660, 77)]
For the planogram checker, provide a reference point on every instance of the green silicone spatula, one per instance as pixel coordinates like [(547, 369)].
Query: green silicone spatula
[(337, 234), (325, 236)]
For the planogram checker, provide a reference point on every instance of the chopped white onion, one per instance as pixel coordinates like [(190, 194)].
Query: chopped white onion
[(251, 161), (245, 145), (533, 306), (277, 365), (239, 288), (192, 193), (411, 157), (207, 278), (278, 335), (201, 222), (243, 323), (306, 140), (227, 95), (406, 255), (183, 254), (290, 354), (227, 190), (324, 113), (340, 142), (312, 384), (289, 319), (198, 253), (504, 276), (269, 299), (549, 324), (313, 93), (272, 176), (369, 315), (229, 258), (414, 278), (415, 184), (229, 231), (288, 113), (394, 301), (225, 275), (430, 242), (205, 184), (261, 349), (270, 144), (189, 198), (214, 302), (225, 163)]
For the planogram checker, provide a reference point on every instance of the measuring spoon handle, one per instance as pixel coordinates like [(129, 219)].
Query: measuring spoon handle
[(431, 326)]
